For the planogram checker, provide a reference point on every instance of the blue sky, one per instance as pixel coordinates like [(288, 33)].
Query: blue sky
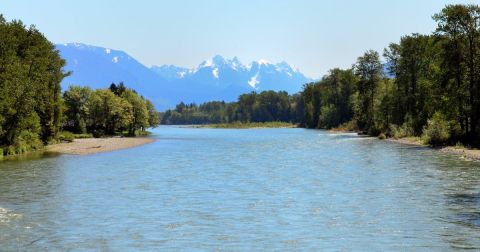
[(313, 35)]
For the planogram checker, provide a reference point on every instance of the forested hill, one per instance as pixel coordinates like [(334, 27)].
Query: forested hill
[(431, 90), (33, 111)]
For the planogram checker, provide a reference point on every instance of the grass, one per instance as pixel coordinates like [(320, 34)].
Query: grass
[(249, 125), (138, 133), (80, 136)]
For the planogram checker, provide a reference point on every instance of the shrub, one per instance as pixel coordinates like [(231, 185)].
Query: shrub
[(401, 131), (436, 132), (98, 133), (66, 136), (348, 126), (382, 136), (25, 142), (85, 135)]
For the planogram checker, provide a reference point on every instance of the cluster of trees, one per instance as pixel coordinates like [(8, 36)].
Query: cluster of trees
[(429, 86), (266, 106), (33, 111), (30, 91), (108, 111)]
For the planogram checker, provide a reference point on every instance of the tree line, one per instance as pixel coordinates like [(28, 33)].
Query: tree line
[(266, 106), (33, 111), (427, 86)]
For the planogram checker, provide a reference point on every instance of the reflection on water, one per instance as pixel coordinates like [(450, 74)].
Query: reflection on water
[(259, 189)]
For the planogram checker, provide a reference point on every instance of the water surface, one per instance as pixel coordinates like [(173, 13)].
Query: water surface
[(256, 189)]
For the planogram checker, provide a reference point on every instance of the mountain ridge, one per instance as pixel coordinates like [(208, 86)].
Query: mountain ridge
[(216, 78)]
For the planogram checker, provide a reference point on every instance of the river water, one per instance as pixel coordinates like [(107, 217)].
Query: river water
[(243, 190)]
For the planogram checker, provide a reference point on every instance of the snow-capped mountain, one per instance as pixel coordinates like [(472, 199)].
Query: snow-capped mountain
[(170, 72), (98, 67), (213, 79), (258, 75)]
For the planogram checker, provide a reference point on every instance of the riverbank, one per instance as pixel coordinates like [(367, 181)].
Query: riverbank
[(95, 145), (473, 154), (464, 152)]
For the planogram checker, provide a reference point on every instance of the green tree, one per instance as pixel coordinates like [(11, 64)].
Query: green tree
[(369, 72), (153, 115), (108, 113), (30, 92), (460, 25), (139, 111), (76, 102), (413, 64)]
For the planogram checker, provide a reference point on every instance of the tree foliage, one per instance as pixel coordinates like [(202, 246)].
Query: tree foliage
[(266, 106), (108, 111), (428, 85), (30, 91)]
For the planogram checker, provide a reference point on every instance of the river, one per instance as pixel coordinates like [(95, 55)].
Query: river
[(243, 190)]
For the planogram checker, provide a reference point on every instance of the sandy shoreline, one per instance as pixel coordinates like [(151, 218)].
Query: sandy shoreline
[(95, 145), (463, 152)]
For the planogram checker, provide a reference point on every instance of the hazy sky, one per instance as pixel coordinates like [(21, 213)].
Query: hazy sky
[(312, 35)]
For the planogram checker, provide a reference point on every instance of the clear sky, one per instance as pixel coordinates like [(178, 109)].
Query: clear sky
[(312, 35)]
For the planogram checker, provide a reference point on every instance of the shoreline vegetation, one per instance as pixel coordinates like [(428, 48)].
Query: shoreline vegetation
[(460, 150), (34, 112), (247, 125), (464, 152), (425, 90), (85, 146)]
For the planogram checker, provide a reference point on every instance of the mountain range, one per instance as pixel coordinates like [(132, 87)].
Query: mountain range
[(217, 78)]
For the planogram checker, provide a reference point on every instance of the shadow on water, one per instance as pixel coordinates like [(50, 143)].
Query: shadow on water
[(30, 156), (470, 205), (472, 199)]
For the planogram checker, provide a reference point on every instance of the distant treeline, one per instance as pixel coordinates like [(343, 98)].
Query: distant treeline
[(431, 88), (32, 109), (267, 106)]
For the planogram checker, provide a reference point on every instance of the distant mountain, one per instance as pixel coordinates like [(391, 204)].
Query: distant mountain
[(170, 72), (214, 79), (222, 73)]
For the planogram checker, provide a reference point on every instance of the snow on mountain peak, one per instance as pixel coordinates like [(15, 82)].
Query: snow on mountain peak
[(207, 63), (220, 71), (253, 82), (215, 73), (263, 62)]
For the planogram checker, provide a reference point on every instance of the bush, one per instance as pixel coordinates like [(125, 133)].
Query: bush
[(66, 136), (437, 130), (382, 136), (401, 131), (26, 141), (85, 135), (98, 133), (348, 126)]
